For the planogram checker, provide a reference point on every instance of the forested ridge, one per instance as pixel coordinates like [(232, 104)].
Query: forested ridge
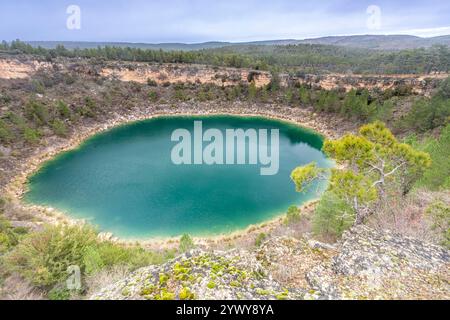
[(292, 58)]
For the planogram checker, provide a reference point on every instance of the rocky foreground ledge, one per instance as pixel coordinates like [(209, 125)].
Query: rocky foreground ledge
[(365, 265)]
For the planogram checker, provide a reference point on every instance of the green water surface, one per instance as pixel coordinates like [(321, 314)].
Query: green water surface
[(124, 181)]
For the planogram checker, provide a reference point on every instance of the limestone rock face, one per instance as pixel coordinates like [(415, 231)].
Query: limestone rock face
[(365, 264)]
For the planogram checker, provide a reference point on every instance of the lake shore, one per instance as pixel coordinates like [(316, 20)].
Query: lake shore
[(16, 188)]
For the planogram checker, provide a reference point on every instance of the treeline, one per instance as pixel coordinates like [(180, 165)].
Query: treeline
[(317, 58), (226, 59), (293, 58)]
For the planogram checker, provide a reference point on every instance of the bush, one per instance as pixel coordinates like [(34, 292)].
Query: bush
[(89, 109), (69, 79), (437, 176), (59, 128), (59, 294), (292, 215), (186, 243), (260, 239), (439, 213), (332, 217), (43, 257), (63, 110), (17, 120), (383, 111), (180, 95), (106, 254), (37, 87), (37, 113), (5, 132), (153, 96), (8, 237), (31, 135)]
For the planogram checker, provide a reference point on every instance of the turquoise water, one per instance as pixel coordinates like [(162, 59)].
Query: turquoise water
[(124, 181)]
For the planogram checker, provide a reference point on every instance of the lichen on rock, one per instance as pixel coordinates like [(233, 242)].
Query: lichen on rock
[(365, 264)]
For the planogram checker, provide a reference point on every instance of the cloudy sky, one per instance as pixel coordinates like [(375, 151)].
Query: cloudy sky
[(219, 20)]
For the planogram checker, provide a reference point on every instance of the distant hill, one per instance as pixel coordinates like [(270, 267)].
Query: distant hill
[(156, 46), (380, 42), (376, 42), (153, 46)]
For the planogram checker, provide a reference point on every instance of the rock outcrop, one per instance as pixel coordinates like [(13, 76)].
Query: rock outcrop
[(201, 275), (374, 265), (365, 265)]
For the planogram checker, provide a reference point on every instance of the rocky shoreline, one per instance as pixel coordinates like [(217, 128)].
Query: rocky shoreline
[(15, 189)]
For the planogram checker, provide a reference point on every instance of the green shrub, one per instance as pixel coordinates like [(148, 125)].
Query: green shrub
[(252, 91), (288, 96), (89, 109), (63, 110), (383, 111), (92, 260), (69, 79), (357, 104), (17, 120), (260, 239), (332, 216), (37, 112), (31, 135), (37, 87), (59, 294), (439, 213), (107, 254), (304, 95), (6, 134), (292, 215), (180, 95), (59, 128), (153, 96), (43, 257), (8, 237), (186, 243), (437, 176)]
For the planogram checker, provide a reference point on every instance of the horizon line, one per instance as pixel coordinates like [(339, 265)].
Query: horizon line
[(237, 41)]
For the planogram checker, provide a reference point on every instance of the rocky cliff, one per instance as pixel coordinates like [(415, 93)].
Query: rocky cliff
[(171, 73)]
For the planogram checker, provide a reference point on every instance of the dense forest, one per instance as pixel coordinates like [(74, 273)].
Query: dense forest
[(292, 58), (316, 58)]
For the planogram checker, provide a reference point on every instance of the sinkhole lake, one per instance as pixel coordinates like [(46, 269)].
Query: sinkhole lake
[(124, 181)]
